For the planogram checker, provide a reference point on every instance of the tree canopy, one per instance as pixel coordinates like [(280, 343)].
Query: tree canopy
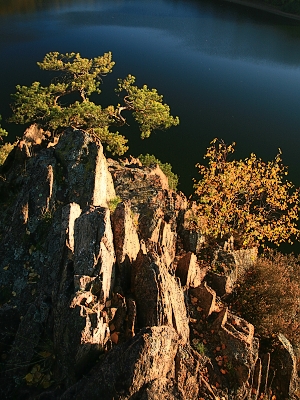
[(66, 101), (248, 199)]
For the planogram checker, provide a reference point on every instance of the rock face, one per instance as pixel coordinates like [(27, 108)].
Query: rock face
[(104, 303)]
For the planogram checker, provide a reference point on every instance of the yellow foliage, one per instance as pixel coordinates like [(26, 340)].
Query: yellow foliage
[(5, 149), (40, 374), (249, 199), (38, 377), (29, 378), (45, 354)]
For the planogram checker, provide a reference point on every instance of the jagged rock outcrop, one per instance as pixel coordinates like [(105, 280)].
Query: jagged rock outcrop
[(107, 303), (159, 298)]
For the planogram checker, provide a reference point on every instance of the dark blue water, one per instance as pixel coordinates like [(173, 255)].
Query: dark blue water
[(227, 71)]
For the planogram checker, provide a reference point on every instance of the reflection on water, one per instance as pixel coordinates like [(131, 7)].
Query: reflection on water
[(29, 6), (212, 27)]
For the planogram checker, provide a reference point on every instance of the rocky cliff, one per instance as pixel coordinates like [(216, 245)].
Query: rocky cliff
[(104, 294)]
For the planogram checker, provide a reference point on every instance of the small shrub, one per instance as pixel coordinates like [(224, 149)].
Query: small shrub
[(199, 346), (47, 216), (201, 349), (269, 296), (149, 159), (112, 204)]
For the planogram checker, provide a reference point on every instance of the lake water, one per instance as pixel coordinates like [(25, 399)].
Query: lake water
[(227, 71)]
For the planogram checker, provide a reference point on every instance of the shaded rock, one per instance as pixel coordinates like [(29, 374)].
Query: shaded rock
[(192, 240), (132, 315), (94, 249), (206, 297), (152, 365), (159, 297), (26, 218), (159, 389), (283, 363), (9, 323), (265, 367), (222, 284), (241, 350), (224, 273), (128, 368), (92, 326), (85, 169), (24, 347), (126, 241), (187, 373), (189, 271), (228, 267)]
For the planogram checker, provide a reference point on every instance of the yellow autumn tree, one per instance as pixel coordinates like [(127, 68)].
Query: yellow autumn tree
[(248, 199)]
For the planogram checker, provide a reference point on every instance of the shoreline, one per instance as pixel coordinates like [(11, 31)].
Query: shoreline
[(264, 7)]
